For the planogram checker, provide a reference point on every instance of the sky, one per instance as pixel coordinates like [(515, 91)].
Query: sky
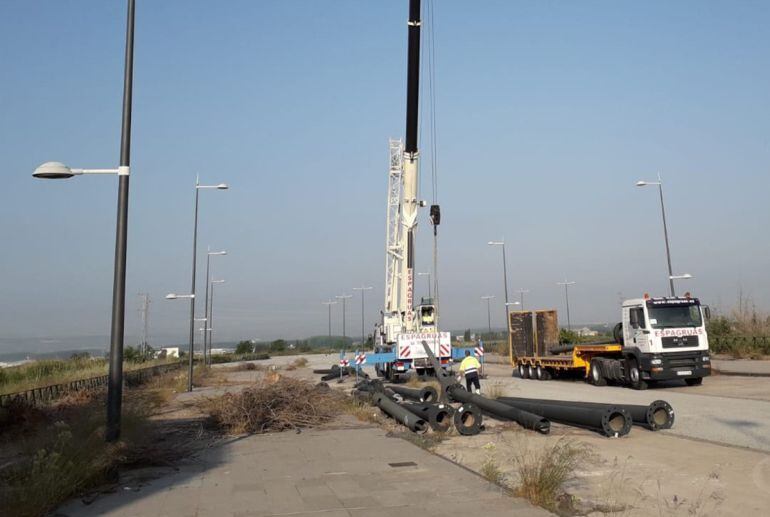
[(547, 114)]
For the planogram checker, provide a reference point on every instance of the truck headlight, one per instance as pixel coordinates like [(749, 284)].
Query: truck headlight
[(656, 361), (706, 358)]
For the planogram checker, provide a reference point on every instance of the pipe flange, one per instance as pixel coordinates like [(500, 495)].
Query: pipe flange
[(616, 422), (660, 415)]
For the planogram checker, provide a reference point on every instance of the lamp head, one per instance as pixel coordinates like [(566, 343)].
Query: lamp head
[(53, 170)]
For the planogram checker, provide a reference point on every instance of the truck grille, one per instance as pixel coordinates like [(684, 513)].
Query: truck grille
[(682, 359), (679, 341)]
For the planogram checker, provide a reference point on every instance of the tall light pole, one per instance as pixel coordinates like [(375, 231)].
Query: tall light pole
[(363, 332), (489, 313), (522, 292), (57, 170), (427, 273), (329, 305), (198, 188), (566, 285), (659, 183), (209, 254), (344, 298), (210, 316), (501, 243)]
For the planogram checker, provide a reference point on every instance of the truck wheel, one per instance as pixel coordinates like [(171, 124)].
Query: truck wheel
[(596, 373), (531, 372), (635, 375), (522, 371), (697, 381)]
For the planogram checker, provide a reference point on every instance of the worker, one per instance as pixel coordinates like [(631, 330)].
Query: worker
[(470, 368)]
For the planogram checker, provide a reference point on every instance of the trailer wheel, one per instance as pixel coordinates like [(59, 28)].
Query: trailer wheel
[(531, 372), (547, 374), (697, 381), (596, 374), (539, 372), (522, 371), (635, 375)]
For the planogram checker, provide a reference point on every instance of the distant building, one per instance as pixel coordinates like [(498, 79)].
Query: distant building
[(586, 332), (171, 351)]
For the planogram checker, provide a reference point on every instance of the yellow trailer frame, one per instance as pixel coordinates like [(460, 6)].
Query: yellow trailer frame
[(580, 359)]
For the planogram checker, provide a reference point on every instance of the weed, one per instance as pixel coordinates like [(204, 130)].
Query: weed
[(276, 403), (427, 441), (300, 362), (543, 472), (492, 472), (361, 410)]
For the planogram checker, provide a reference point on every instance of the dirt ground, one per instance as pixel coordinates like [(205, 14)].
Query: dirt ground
[(643, 473)]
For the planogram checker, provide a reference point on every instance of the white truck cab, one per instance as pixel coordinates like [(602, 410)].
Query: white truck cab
[(665, 338)]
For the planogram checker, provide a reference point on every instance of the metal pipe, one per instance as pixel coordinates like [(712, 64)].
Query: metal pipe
[(458, 393), (612, 421), (655, 416), (400, 414), (425, 394), (439, 416)]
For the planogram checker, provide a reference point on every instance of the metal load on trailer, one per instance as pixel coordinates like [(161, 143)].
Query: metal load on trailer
[(533, 332)]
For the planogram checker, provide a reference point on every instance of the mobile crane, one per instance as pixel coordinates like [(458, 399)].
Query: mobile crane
[(403, 327)]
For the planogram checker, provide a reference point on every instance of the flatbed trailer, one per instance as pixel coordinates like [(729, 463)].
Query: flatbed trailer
[(578, 362)]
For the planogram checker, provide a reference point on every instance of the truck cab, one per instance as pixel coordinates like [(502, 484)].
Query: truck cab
[(665, 338)]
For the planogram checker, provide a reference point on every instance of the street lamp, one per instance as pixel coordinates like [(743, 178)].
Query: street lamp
[(209, 254), (329, 304), (57, 170), (363, 333), (211, 315), (489, 316), (427, 273), (659, 183), (174, 296), (198, 188), (686, 276), (522, 292), (344, 297), (566, 285), (501, 243)]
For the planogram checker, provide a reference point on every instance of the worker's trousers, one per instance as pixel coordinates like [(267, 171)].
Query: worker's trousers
[(472, 378)]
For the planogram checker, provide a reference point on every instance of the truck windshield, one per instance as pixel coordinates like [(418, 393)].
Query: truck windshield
[(676, 316)]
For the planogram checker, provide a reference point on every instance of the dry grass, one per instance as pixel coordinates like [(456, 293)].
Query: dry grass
[(543, 472), (63, 453), (275, 403), (492, 390), (491, 472), (300, 362)]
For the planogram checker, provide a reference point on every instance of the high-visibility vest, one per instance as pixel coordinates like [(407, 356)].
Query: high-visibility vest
[(470, 365)]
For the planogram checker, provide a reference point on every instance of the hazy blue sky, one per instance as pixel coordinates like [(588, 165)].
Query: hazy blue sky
[(547, 111)]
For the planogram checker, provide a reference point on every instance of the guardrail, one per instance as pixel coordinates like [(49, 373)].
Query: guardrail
[(45, 394)]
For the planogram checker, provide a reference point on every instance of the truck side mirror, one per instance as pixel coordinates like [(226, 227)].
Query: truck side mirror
[(707, 312), (633, 317)]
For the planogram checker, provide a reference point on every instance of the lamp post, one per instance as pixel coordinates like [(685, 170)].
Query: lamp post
[(489, 313), (211, 314), (329, 304), (198, 188), (427, 273), (659, 183), (57, 170), (363, 333), (209, 254), (501, 243), (566, 285), (522, 292), (344, 297)]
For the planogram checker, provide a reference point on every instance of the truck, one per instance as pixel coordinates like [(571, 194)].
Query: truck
[(657, 339), (404, 325)]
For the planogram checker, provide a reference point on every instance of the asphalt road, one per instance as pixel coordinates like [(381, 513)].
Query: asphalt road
[(719, 411)]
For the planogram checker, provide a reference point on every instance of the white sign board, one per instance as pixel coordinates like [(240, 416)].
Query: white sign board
[(410, 345)]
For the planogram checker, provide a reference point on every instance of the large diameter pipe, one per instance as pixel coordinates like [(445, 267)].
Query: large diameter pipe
[(439, 416), (457, 393), (409, 419), (655, 416), (612, 421), (426, 394), (524, 417)]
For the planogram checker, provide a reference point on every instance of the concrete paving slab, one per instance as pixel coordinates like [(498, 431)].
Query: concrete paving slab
[(290, 477)]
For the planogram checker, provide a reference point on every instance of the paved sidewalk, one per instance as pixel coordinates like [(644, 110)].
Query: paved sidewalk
[(746, 367), (323, 473)]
